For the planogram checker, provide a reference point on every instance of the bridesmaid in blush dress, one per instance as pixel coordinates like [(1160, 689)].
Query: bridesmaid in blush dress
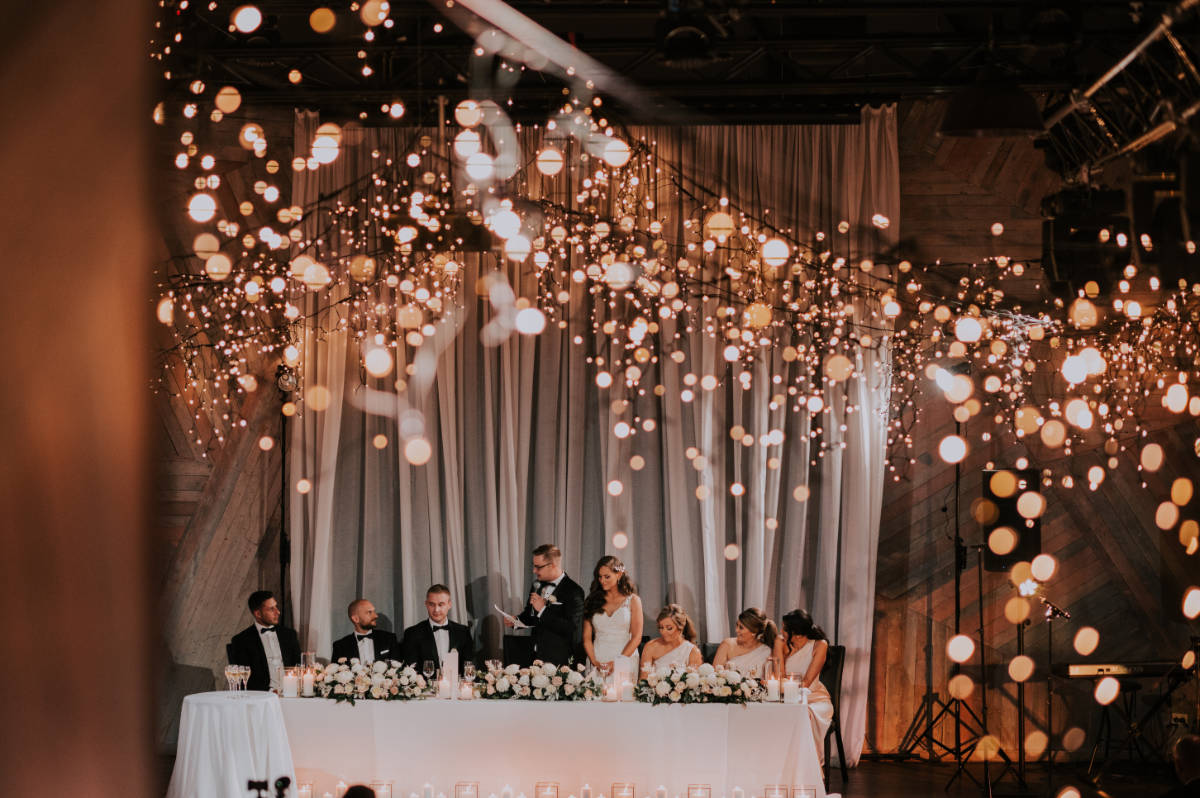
[(676, 641), (802, 648), (753, 645)]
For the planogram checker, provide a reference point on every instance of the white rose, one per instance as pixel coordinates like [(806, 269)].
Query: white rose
[(732, 676), (377, 679), (664, 672), (574, 677), (663, 687), (523, 680), (693, 680), (502, 684), (706, 670), (378, 692), (512, 670), (540, 681), (380, 666), (345, 677), (675, 695)]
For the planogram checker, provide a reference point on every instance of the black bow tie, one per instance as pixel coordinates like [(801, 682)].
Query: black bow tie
[(437, 626), (266, 629), (367, 636)]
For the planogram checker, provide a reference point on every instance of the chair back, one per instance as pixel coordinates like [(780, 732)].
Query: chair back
[(229, 653), (831, 673)]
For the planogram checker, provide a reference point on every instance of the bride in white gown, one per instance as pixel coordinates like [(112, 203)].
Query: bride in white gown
[(802, 648), (753, 646), (612, 619), (676, 643)]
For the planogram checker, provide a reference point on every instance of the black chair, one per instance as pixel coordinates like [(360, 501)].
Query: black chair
[(229, 653), (831, 677)]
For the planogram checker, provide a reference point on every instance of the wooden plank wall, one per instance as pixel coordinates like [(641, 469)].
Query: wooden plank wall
[(1117, 571)]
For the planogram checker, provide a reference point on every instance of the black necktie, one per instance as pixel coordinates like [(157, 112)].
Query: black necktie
[(266, 629), (367, 636)]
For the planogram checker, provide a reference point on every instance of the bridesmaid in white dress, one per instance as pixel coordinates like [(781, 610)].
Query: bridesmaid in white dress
[(753, 646), (612, 619), (802, 647), (676, 641)]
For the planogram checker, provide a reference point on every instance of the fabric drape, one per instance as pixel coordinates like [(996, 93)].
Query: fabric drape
[(523, 445)]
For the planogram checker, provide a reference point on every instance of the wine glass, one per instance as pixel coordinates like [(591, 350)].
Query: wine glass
[(427, 669), (469, 672), (230, 675), (244, 675)]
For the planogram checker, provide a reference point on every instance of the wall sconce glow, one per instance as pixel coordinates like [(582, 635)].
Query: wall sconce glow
[(246, 19), (616, 153), (530, 321), (952, 449), (960, 648), (550, 162), (202, 207)]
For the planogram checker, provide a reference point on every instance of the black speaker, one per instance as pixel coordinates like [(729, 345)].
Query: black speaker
[(999, 512)]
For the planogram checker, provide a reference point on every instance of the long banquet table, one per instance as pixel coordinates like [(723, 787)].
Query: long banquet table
[(518, 743)]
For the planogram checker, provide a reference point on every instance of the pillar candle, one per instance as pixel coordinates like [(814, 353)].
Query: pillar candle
[(738, 792), (444, 688), (586, 792), (791, 691), (427, 791), (772, 689), (291, 684), (465, 692), (661, 792), (627, 691), (340, 789), (506, 792), (304, 791)]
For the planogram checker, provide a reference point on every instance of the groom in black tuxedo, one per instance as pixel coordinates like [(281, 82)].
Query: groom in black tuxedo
[(555, 608), (434, 637), (264, 645), (366, 643)]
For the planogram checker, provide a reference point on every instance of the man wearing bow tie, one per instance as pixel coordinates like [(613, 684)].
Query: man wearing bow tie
[(433, 638), (366, 643), (264, 645), (555, 608)]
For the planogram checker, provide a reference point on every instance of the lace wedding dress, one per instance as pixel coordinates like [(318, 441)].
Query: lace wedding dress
[(610, 635)]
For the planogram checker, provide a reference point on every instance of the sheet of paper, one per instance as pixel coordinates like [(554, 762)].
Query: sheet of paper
[(517, 622)]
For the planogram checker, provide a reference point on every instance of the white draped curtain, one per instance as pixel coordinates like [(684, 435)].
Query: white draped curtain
[(523, 450)]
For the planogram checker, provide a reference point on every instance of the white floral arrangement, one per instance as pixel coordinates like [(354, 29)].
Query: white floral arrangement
[(352, 680), (701, 685), (542, 681)]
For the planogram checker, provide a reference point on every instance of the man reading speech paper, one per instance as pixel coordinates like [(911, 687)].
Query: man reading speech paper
[(555, 608)]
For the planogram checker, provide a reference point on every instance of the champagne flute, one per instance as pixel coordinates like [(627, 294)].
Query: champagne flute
[(230, 675), (244, 675), (427, 669)]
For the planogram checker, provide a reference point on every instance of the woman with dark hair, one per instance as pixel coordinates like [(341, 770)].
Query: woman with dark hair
[(612, 619), (676, 641), (753, 645), (802, 648)]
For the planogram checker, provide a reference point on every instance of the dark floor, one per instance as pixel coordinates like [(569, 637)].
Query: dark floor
[(916, 779), (884, 779)]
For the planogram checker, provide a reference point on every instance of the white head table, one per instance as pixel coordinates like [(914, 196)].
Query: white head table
[(519, 743)]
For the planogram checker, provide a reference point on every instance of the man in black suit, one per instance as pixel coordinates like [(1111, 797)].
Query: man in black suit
[(555, 608), (366, 643), (436, 636), (264, 645)]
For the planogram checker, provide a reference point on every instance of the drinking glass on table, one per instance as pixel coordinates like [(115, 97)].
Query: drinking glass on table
[(469, 672), (244, 675), (428, 669), (231, 672)]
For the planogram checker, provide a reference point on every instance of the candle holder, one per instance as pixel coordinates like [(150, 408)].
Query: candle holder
[(383, 789), (308, 680), (623, 789), (304, 791), (466, 789), (699, 791), (291, 682), (340, 789), (545, 789), (776, 791), (804, 792)]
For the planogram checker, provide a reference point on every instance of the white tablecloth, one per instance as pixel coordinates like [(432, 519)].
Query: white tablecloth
[(518, 743), (226, 739)]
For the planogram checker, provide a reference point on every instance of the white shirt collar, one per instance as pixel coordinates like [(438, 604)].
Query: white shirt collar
[(260, 626), (556, 581)]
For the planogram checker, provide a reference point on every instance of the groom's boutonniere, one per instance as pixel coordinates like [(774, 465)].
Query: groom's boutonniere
[(551, 599)]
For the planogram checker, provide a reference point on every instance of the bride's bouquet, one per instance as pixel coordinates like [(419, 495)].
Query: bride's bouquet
[(352, 680), (539, 682), (703, 685)]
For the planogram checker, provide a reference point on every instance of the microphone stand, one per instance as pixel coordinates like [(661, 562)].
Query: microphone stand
[(1051, 611)]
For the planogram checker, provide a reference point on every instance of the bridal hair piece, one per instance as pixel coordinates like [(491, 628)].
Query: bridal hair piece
[(759, 624)]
